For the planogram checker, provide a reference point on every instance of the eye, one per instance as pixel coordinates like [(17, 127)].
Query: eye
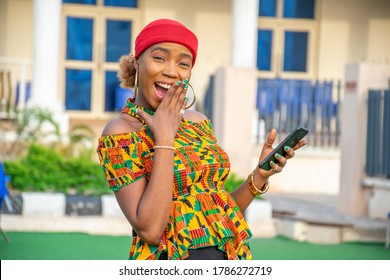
[(159, 58), (185, 64)]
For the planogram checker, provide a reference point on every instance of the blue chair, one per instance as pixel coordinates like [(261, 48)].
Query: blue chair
[(4, 179)]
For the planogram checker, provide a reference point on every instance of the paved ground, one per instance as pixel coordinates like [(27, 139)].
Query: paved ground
[(323, 210), (314, 209)]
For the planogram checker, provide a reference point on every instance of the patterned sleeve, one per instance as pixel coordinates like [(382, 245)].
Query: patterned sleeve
[(121, 159)]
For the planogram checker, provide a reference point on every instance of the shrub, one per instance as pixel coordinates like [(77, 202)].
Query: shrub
[(43, 169), (233, 182)]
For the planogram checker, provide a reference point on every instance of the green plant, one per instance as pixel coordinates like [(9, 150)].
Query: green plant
[(80, 141), (44, 169), (31, 125), (233, 182)]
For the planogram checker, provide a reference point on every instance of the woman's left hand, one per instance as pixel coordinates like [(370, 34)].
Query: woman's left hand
[(279, 163)]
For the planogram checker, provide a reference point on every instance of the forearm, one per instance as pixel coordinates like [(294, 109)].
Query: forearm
[(153, 209), (243, 196)]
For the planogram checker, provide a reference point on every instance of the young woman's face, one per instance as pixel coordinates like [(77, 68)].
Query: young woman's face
[(159, 67)]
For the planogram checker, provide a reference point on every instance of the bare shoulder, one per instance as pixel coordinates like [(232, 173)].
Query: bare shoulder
[(194, 116), (121, 124)]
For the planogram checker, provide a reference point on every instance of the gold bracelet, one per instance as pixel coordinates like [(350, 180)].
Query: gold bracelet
[(254, 190), (165, 147)]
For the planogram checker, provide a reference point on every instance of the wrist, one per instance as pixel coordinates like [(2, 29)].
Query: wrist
[(164, 142), (257, 184)]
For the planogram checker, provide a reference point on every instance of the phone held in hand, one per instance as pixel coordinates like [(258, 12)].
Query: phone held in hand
[(291, 140)]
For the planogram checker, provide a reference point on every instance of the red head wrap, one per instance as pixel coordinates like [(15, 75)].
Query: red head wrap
[(166, 30)]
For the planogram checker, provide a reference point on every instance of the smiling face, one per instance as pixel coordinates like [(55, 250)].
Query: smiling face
[(160, 66)]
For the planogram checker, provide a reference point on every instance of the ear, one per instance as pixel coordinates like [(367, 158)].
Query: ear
[(135, 64)]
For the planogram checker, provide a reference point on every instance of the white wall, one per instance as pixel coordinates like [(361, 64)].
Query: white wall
[(3, 7), (352, 31), (379, 40), (18, 29), (334, 49), (311, 171)]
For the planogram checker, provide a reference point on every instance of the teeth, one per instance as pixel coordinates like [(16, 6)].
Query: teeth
[(166, 86)]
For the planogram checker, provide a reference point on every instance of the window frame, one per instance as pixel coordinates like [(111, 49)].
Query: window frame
[(100, 14), (279, 25)]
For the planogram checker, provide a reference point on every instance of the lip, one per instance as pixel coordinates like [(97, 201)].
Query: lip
[(159, 93)]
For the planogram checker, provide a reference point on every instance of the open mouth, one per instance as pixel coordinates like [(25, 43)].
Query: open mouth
[(161, 89)]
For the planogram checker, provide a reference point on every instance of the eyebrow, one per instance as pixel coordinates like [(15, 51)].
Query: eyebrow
[(159, 48)]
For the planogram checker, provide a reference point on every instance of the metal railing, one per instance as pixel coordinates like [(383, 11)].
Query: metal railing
[(14, 85), (286, 104), (378, 134)]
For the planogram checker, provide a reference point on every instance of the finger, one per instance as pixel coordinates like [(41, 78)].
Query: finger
[(282, 161), (181, 99), (275, 167), (170, 95), (271, 138), (290, 152), (144, 116), (300, 145)]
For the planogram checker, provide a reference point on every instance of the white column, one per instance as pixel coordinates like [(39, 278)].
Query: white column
[(233, 113), (359, 78), (46, 46), (244, 49)]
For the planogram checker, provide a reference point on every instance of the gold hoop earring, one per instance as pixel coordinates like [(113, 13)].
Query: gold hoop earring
[(193, 100), (135, 89)]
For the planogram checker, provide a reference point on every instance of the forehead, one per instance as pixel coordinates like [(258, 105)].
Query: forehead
[(170, 48)]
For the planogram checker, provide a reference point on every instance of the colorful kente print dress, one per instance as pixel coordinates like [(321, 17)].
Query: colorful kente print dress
[(202, 213)]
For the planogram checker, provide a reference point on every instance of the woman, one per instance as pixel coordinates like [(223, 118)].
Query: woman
[(164, 163)]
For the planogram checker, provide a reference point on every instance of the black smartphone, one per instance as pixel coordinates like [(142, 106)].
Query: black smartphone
[(291, 140)]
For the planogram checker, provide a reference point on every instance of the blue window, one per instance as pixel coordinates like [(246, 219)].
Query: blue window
[(295, 51), (298, 9), (117, 39), (111, 85), (79, 38), (264, 49), (87, 2), (121, 3), (78, 89), (267, 8)]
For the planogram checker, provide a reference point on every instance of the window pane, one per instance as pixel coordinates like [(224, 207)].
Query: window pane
[(295, 51), (264, 49), (117, 39), (121, 3), (267, 8), (111, 84), (115, 96), (79, 38), (78, 89), (87, 2), (298, 8)]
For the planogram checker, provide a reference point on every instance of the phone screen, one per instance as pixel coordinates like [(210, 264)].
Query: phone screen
[(291, 140)]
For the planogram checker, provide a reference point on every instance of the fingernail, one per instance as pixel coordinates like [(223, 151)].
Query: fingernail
[(185, 81), (186, 99), (178, 83), (272, 163), (277, 155), (287, 148), (186, 86)]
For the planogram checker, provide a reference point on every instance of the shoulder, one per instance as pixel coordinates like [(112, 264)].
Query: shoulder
[(121, 124), (194, 116)]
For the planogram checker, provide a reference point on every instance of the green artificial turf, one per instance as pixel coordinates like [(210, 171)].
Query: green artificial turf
[(79, 246)]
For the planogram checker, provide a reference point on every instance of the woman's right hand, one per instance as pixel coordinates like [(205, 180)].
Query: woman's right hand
[(166, 120)]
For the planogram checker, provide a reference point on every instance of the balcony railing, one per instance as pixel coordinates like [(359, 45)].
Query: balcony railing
[(15, 77)]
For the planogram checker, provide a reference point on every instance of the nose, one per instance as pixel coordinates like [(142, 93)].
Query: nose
[(170, 70)]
